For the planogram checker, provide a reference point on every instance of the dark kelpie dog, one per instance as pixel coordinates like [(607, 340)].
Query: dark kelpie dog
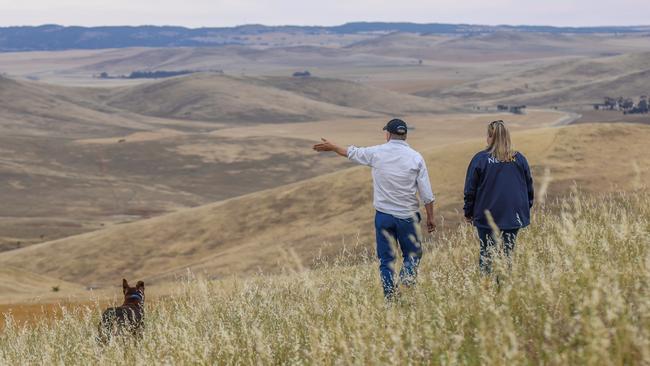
[(125, 319)]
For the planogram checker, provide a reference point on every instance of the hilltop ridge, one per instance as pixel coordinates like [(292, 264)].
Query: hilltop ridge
[(57, 37)]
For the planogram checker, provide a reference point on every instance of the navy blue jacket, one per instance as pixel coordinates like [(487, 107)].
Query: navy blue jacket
[(504, 189)]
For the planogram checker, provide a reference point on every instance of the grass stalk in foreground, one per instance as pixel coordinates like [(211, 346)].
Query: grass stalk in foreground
[(578, 293)]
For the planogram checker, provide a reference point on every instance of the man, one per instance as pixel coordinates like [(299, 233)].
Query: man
[(399, 173)]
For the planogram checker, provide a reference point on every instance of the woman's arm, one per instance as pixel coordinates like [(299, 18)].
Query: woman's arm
[(471, 185), (529, 182)]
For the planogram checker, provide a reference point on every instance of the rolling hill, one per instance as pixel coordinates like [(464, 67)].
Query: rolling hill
[(355, 95), (498, 46), (47, 110), (632, 85), (566, 83), (38, 109), (400, 44), (16, 284), (214, 97), (35, 108), (229, 99), (318, 217)]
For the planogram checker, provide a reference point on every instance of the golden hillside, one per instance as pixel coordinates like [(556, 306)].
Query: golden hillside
[(20, 285), (53, 111), (215, 97), (356, 95), (498, 46), (34, 108), (319, 216), (565, 82)]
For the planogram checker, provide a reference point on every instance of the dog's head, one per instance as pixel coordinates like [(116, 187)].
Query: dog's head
[(133, 295)]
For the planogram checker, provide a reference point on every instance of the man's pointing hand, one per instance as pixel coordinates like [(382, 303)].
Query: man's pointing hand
[(324, 146), (329, 146)]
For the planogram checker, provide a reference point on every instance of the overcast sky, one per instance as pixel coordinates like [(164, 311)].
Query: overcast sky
[(219, 13)]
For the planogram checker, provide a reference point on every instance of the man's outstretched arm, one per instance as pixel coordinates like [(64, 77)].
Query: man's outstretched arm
[(360, 155), (329, 146)]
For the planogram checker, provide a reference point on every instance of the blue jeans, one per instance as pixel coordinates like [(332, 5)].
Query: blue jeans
[(488, 246), (402, 232)]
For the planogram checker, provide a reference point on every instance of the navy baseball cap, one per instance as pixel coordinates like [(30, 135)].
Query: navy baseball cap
[(396, 126)]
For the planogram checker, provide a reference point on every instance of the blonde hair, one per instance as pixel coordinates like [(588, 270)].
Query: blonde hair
[(500, 145)]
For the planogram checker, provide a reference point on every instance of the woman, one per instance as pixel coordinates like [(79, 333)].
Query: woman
[(498, 191)]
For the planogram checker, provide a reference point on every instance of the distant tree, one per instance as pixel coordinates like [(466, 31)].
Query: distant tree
[(611, 103), (157, 74), (626, 103), (103, 75), (301, 74), (517, 109), (643, 104)]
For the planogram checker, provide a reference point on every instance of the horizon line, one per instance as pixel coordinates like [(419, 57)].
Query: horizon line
[(318, 26)]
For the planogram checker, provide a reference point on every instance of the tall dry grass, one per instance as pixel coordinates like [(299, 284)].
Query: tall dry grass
[(578, 293)]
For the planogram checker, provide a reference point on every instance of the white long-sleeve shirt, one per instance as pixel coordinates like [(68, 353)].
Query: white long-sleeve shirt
[(399, 173)]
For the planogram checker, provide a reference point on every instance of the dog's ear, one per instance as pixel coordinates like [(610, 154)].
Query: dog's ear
[(125, 284), (140, 286)]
